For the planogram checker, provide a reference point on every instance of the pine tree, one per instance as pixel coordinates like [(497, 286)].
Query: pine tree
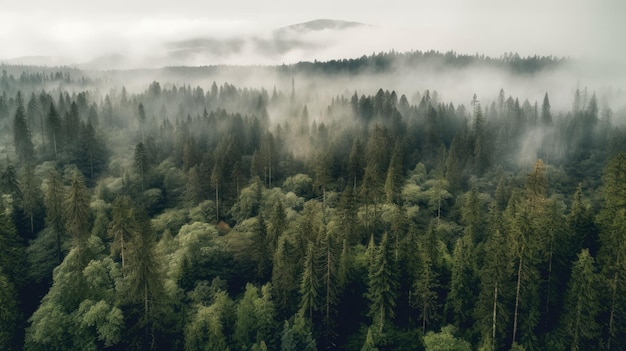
[(284, 275), (309, 283), (121, 226), (393, 181), (30, 195), (244, 334), (76, 206), (22, 140), (141, 162), (612, 220), (426, 278), (370, 344), (491, 313), (329, 259), (276, 226), (554, 267), (463, 284), (54, 194), (145, 278), (53, 126), (582, 305), (580, 222), (141, 117), (526, 244), (297, 336), (206, 330), (382, 285), (546, 115), (10, 314)]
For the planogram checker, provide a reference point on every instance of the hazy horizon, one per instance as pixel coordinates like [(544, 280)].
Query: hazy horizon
[(143, 32)]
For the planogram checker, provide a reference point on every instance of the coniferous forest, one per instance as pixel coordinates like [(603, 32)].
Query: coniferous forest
[(149, 214)]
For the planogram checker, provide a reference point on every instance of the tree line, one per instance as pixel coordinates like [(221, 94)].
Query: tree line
[(179, 218)]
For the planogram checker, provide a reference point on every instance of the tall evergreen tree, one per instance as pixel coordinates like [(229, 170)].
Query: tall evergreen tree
[(22, 139), (121, 226), (582, 305), (382, 286), (463, 284), (145, 280), (426, 278), (54, 129), (76, 206), (612, 219), (54, 194), (30, 195), (546, 115), (491, 312), (309, 283)]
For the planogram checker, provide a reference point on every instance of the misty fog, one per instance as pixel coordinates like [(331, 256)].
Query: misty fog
[(312, 176)]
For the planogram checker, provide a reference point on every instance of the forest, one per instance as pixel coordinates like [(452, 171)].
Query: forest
[(171, 216)]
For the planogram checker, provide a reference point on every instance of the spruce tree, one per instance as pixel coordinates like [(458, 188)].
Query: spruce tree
[(309, 283), (76, 206), (22, 139), (582, 305), (382, 286), (426, 280), (54, 194)]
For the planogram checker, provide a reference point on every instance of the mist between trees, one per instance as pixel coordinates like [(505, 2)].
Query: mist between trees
[(308, 209)]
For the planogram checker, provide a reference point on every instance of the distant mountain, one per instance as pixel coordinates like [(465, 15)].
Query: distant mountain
[(35, 61), (319, 24), (299, 40)]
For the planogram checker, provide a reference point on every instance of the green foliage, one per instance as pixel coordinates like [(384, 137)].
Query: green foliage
[(295, 195), (205, 331), (9, 313), (370, 344), (382, 285), (582, 306), (426, 278), (445, 341), (76, 206), (297, 336), (255, 319), (22, 139), (309, 283)]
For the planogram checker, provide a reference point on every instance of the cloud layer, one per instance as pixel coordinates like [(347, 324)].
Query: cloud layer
[(142, 31)]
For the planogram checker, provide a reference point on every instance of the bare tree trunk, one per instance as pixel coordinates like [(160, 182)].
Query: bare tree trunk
[(519, 283), (122, 251), (549, 284), (424, 317), (495, 315), (217, 201), (612, 316), (54, 142)]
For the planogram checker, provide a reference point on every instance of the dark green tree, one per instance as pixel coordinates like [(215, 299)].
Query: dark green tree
[(582, 305), (309, 282), (22, 139), (121, 226), (612, 221), (297, 336), (424, 293), (54, 129), (54, 193), (76, 206), (382, 285), (145, 278), (31, 195)]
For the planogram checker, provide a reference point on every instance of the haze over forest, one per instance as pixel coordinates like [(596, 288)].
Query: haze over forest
[(447, 175)]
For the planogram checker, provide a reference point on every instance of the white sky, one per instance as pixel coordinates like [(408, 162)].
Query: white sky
[(82, 29)]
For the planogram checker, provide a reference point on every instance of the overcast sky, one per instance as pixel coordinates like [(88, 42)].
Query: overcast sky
[(80, 30)]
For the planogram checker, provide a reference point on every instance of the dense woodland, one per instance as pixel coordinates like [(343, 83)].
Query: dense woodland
[(219, 217)]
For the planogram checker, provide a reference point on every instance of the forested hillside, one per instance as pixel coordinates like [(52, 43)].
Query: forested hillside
[(223, 217)]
